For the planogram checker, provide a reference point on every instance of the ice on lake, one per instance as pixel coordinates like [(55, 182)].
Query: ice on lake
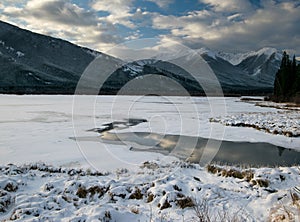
[(39, 128)]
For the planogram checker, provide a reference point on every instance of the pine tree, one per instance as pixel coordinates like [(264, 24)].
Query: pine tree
[(297, 85), (287, 80), (294, 76), (281, 78)]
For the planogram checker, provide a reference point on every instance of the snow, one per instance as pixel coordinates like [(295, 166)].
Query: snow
[(20, 54), (266, 51), (173, 53), (257, 72), (285, 106), (233, 58), (45, 192), (145, 62), (89, 180), (237, 58), (41, 128), (137, 67), (133, 68), (283, 122), (11, 49), (179, 52), (93, 53), (206, 51)]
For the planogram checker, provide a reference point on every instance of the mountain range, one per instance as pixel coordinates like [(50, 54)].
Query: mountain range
[(32, 63)]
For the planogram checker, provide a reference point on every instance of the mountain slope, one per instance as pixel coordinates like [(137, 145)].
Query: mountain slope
[(31, 63), (262, 64), (254, 74), (34, 63), (237, 58)]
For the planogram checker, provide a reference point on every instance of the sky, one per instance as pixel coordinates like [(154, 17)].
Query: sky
[(220, 25)]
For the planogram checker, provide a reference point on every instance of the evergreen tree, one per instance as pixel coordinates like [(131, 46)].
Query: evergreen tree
[(287, 80), (281, 78), (293, 78)]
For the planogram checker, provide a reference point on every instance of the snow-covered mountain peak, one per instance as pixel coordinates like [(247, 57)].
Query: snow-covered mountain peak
[(184, 52), (137, 67), (237, 58), (206, 51), (233, 58), (266, 51)]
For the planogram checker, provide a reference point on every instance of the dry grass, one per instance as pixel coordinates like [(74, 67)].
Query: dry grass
[(288, 211), (204, 213), (150, 198), (184, 202), (137, 194), (82, 192), (5, 201), (135, 210), (262, 182), (165, 205), (247, 175)]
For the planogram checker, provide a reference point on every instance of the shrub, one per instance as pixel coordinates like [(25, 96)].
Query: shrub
[(150, 198), (262, 182), (185, 202), (135, 210), (81, 192), (165, 205), (137, 194)]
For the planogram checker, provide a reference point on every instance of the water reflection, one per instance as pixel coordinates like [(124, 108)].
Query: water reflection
[(185, 147)]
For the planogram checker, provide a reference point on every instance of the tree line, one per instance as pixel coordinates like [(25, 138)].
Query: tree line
[(287, 81)]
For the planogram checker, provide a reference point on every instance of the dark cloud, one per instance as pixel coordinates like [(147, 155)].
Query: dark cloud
[(220, 25), (63, 19), (273, 25)]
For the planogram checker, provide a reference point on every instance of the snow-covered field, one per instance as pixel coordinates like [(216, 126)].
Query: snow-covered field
[(41, 129), (283, 122), (152, 192)]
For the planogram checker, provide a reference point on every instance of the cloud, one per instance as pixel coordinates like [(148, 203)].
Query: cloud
[(65, 20), (217, 29), (112, 6), (229, 5), (83, 26), (234, 17), (162, 3), (233, 25), (62, 12), (196, 18), (120, 11)]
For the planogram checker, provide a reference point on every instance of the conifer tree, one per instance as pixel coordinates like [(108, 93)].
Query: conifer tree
[(287, 80)]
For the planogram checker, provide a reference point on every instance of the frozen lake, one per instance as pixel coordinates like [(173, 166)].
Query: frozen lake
[(40, 128), (229, 153)]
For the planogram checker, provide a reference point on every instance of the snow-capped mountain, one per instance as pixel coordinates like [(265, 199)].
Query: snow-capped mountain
[(237, 58), (252, 72), (39, 64)]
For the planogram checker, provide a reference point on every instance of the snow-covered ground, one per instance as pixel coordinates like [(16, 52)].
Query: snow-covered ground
[(154, 191), (283, 122), (42, 129)]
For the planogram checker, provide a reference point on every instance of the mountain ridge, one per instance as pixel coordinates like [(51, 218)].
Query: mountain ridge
[(33, 63), (237, 58)]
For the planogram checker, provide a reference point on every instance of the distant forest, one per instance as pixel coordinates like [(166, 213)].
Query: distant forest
[(287, 81)]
